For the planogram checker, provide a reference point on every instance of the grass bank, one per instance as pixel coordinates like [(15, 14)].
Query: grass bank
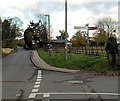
[(78, 61)]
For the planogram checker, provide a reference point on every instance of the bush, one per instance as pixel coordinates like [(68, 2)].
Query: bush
[(34, 46), (14, 44), (28, 37), (10, 43), (21, 42)]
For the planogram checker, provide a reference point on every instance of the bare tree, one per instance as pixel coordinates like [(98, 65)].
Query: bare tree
[(44, 20), (41, 18), (107, 24), (16, 21), (16, 26)]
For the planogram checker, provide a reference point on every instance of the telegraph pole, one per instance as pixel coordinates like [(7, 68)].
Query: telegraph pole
[(87, 45), (48, 26), (49, 33), (66, 47)]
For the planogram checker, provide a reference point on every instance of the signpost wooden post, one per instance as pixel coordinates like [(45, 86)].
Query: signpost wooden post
[(87, 28)]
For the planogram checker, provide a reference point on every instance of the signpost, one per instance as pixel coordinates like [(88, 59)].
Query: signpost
[(87, 28), (80, 27), (92, 28)]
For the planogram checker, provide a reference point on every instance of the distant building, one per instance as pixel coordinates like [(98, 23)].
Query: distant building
[(60, 43), (57, 42)]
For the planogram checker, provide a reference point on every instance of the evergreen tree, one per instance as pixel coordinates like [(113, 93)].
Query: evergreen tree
[(5, 30)]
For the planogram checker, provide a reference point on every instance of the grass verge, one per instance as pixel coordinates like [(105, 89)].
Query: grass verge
[(79, 61)]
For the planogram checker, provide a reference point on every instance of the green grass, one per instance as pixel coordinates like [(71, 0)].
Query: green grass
[(78, 61)]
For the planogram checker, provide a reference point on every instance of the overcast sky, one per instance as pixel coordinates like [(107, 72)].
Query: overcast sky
[(80, 12)]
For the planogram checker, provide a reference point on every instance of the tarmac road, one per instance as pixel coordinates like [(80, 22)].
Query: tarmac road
[(22, 80), (18, 75)]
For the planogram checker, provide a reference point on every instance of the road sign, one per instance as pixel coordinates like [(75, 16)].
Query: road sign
[(92, 28), (80, 27)]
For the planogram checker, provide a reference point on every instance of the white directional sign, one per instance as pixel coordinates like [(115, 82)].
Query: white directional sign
[(84, 27), (80, 27)]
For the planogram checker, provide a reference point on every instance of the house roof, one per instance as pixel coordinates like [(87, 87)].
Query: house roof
[(58, 41)]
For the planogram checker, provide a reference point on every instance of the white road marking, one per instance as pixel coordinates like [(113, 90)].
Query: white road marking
[(38, 79), (32, 95), (46, 95), (36, 86), (37, 83), (74, 82), (39, 76), (39, 73), (35, 90), (17, 95), (78, 93)]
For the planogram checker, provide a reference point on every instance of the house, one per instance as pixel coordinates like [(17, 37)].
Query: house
[(58, 42)]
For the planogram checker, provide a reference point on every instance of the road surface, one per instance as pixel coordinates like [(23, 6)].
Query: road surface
[(22, 80)]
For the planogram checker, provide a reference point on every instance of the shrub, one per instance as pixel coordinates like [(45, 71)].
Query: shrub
[(10, 43), (34, 46), (21, 42), (14, 44)]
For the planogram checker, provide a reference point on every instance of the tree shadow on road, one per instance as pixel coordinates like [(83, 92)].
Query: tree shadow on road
[(34, 74)]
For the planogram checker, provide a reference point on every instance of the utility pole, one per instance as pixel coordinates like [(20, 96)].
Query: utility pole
[(87, 45), (48, 16), (66, 47), (48, 26)]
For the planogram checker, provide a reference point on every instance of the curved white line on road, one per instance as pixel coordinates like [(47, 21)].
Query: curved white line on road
[(36, 86)]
